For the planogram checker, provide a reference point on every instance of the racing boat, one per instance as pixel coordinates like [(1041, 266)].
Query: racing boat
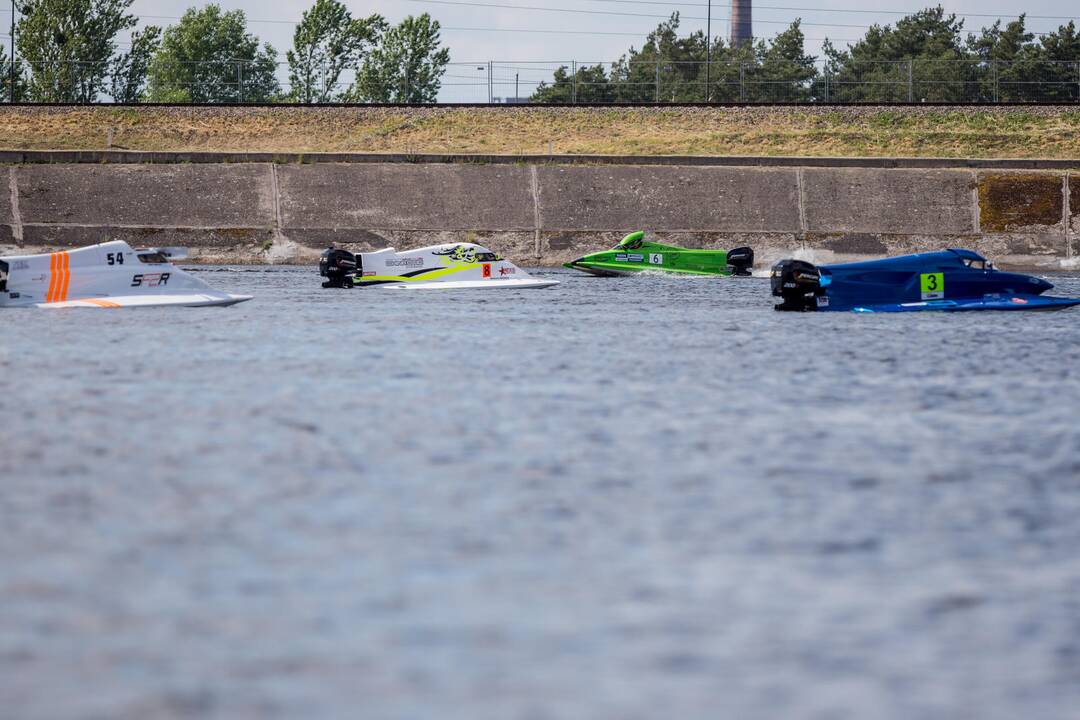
[(108, 275), (634, 254), (950, 280), (439, 267)]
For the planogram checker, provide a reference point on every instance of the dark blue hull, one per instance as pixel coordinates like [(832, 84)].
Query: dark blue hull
[(1009, 304), (947, 281)]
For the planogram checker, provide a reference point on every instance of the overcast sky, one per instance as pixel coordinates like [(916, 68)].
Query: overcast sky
[(476, 35)]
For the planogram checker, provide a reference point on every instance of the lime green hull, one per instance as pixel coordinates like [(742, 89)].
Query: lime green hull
[(634, 255)]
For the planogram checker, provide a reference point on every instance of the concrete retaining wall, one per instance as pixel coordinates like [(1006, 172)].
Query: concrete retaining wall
[(542, 211)]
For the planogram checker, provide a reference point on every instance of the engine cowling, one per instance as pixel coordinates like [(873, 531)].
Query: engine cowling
[(339, 267), (797, 283), (740, 261)]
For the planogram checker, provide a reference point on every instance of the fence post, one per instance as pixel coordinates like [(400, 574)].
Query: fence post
[(994, 70), (1077, 80), (573, 91), (657, 95), (489, 83), (910, 83), (826, 86), (742, 83), (240, 80)]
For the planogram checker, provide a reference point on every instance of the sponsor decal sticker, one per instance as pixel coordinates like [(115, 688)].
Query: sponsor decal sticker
[(932, 286), (150, 280), (507, 271), (1020, 301), (20, 265), (620, 257), (635, 257), (823, 301), (405, 262)]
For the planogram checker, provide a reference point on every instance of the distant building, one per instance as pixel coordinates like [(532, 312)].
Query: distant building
[(741, 32)]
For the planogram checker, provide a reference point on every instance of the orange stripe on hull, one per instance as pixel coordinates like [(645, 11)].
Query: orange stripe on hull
[(50, 295), (103, 303), (65, 276)]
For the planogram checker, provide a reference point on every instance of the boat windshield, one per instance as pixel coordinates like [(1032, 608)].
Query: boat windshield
[(632, 241), (974, 264)]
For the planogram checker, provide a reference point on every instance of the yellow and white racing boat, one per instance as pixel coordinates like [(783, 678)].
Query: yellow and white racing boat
[(109, 275), (460, 266)]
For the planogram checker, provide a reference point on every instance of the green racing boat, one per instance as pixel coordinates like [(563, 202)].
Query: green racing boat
[(634, 254)]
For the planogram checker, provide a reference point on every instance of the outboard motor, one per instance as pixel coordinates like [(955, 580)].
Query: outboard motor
[(740, 261), (339, 267), (798, 283), (3, 276)]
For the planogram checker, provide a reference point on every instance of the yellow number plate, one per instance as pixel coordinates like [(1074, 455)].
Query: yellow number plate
[(932, 286)]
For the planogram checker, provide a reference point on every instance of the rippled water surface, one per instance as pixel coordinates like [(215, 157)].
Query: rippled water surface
[(618, 498)]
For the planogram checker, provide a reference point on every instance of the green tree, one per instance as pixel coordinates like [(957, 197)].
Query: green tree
[(589, 84), (670, 68), (1060, 52), (68, 45), (784, 71), (1010, 62), (209, 57), (326, 42), (407, 66), (923, 58), (5, 78), (666, 68), (130, 70)]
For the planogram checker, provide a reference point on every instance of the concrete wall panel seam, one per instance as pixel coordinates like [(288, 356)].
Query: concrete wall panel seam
[(16, 216), (534, 183), (976, 220), (1066, 215), (801, 200), (275, 187)]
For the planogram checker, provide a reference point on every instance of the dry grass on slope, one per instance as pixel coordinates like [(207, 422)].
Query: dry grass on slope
[(1045, 132)]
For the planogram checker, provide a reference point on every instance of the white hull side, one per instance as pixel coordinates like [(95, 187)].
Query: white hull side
[(145, 301)]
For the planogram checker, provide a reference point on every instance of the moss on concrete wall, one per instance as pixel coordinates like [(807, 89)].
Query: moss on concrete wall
[(1014, 201)]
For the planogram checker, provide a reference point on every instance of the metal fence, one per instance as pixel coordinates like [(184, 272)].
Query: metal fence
[(660, 82)]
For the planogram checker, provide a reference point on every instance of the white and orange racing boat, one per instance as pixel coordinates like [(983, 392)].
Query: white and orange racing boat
[(109, 275)]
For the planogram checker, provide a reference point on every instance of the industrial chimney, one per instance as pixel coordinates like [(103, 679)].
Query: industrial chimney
[(741, 32)]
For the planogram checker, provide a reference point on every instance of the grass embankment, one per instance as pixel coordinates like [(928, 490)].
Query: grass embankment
[(1045, 132)]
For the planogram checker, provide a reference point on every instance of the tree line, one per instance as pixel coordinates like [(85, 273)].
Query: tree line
[(68, 53), (925, 56)]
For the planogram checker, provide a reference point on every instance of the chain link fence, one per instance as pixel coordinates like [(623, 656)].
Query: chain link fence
[(577, 82)]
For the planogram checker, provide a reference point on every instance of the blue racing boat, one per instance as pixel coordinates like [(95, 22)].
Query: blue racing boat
[(950, 280)]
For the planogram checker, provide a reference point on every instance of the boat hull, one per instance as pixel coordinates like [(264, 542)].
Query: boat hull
[(194, 300), (108, 275), (952, 280), (522, 284), (634, 254), (1012, 303)]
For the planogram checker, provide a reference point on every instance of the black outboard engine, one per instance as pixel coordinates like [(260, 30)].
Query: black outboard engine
[(740, 261), (798, 283), (339, 267), (3, 276)]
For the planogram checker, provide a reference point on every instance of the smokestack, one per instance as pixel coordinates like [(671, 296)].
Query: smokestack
[(741, 32)]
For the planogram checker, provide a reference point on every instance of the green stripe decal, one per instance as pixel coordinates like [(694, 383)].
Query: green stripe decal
[(419, 278)]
